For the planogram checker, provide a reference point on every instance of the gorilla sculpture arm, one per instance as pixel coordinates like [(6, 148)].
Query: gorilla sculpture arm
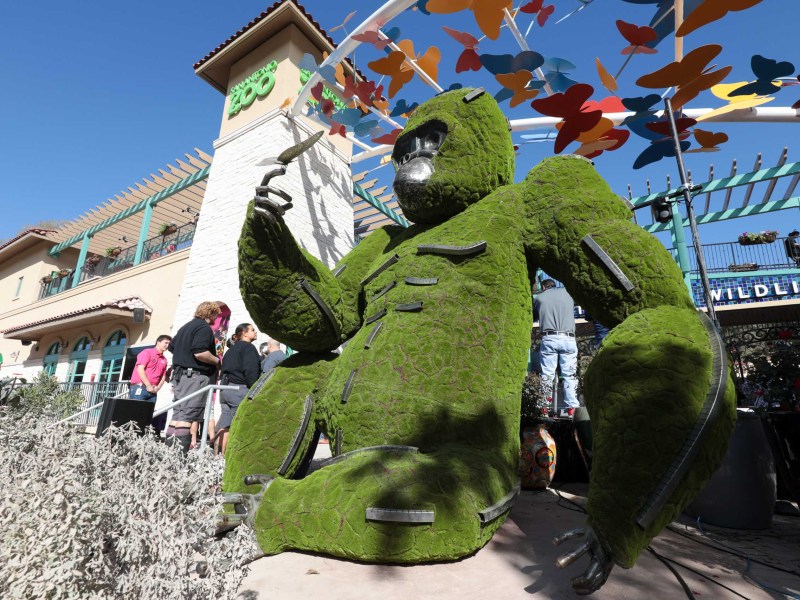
[(294, 297), (658, 390)]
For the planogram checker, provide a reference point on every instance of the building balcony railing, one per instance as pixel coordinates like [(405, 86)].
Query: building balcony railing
[(729, 257), (154, 248)]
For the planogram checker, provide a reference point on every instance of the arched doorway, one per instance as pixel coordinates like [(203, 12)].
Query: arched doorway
[(113, 356), (77, 359), (51, 358)]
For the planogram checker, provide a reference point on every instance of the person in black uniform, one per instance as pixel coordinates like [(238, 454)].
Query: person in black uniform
[(241, 366), (792, 245), (195, 365)]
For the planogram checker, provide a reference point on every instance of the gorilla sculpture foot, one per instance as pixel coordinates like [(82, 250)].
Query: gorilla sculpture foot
[(600, 563), (245, 505)]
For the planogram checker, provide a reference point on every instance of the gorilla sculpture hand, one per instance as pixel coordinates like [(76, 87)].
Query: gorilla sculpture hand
[(422, 406)]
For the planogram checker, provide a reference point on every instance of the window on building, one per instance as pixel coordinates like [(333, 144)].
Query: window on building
[(77, 359), (113, 356), (19, 287), (51, 358)]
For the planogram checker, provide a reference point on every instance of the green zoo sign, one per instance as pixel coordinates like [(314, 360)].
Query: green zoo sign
[(257, 85)]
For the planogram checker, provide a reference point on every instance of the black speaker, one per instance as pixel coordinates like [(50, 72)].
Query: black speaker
[(138, 315), (120, 411)]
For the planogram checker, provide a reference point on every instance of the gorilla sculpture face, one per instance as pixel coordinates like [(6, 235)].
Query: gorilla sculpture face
[(455, 150)]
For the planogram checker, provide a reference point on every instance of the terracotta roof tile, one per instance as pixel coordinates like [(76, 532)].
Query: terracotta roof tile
[(126, 303), (35, 230), (255, 21)]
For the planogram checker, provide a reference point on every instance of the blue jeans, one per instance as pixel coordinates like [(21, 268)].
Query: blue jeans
[(563, 351), (139, 392)]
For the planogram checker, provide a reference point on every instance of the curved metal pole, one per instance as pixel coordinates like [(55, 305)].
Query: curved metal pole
[(758, 114)]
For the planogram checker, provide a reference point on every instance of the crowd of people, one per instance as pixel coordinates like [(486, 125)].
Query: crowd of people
[(196, 364)]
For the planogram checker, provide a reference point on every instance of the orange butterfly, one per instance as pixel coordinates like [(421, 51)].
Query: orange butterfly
[(518, 83), (708, 140), (606, 78), (710, 11), (395, 65), (691, 75), (489, 14)]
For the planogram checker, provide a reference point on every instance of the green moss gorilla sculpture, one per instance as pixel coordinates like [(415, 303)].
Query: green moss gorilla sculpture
[(422, 406)]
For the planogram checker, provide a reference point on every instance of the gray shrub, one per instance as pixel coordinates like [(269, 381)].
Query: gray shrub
[(122, 516)]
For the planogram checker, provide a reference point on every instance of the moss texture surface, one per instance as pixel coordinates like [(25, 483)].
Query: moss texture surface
[(446, 378)]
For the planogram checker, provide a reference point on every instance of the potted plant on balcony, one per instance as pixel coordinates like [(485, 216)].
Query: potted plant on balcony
[(47, 279), (739, 267), (64, 272), (167, 229), (762, 237), (113, 251), (93, 259)]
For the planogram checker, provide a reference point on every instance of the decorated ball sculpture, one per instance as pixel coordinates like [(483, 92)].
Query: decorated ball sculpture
[(422, 406)]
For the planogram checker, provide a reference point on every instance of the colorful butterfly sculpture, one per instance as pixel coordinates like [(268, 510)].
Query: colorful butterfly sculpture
[(468, 60), (374, 37), (661, 144), (723, 91), (395, 66), (555, 73), (691, 75), (489, 14), (709, 141), (766, 70), (569, 106), (637, 37), (520, 85), (710, 11), (538, 8)]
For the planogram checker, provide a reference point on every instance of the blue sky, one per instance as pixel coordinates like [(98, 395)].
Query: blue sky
[(98, 95)]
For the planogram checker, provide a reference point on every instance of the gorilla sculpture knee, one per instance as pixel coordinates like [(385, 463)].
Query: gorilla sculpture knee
[(422, 406)]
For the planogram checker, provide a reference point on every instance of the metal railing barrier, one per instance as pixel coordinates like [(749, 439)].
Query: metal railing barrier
[(208, 390)]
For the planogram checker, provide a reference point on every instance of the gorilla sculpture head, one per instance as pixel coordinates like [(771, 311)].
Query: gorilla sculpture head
[(454, 150)]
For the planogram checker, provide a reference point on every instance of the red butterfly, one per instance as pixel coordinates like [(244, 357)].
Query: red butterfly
[(661, 127), (469, 59), (388, 138), (637, 37), (569, 106), (338, 128), (537, 7)]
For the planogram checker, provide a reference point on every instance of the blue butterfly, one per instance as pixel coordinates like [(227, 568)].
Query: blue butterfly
[(555, 68), (766, 70), (420, 6), (402, 108), (368, 128), (347, 117), (660, 146), (309, 63), (641, 106), (500, 64)]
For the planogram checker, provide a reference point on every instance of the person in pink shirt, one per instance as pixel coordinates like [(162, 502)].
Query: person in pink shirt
[(149, 374)]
